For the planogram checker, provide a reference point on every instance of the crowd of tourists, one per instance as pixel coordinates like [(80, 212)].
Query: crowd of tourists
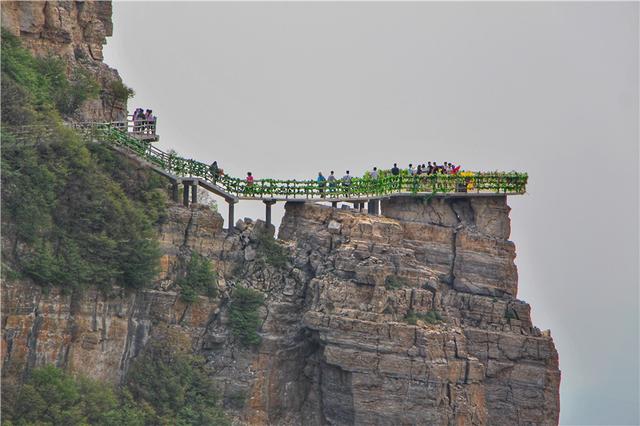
[(144, 121), (332, 181)]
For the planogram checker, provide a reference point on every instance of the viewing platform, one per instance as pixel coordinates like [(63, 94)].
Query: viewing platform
[(134, 137)]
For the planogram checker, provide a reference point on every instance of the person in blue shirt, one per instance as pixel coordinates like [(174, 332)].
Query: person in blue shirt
[(321, 183)]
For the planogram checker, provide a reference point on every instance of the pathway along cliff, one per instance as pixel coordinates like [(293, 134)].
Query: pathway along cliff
[(406, 317)]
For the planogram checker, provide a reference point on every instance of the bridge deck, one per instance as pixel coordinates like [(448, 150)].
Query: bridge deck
[(360, 189)]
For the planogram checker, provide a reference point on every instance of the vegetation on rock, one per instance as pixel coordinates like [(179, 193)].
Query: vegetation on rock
[(270, 251), (76, 213), (430, 317), (199, 278), (173, 386), (243, 315)]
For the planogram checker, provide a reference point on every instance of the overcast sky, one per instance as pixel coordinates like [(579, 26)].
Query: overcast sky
[(289, 89)]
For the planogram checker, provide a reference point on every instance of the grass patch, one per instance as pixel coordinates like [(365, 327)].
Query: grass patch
[(243, 315)]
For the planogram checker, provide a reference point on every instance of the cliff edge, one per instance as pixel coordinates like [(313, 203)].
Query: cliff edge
[(409, 319)]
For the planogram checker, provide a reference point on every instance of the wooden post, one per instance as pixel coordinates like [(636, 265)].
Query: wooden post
[(174, 192), (268, 204), (185, 193), (194, 193), (231, 223)]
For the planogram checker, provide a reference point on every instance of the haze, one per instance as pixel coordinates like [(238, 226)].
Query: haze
[(290, 89)]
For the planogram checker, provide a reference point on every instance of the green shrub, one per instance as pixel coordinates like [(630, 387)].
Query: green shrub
[(430, 317), (394, 282), (44, 80), (174, 387), (77, 214), (120, 91), (270, 251), (199, 278), (50, 396), (243, 315)]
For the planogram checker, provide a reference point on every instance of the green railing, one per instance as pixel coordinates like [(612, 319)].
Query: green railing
[(359, 188)]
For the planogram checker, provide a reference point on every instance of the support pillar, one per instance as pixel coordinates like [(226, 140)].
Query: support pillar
[(231, 223), (373, 207), (334, 204), (194, 193), (174, 192), (361, 206), (268, 204), (185, 193)]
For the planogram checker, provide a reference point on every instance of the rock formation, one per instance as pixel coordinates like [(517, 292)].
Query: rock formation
[(74, 31), (408, 318)]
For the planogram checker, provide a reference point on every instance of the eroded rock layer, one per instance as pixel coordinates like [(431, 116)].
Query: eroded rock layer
[(408, 318)]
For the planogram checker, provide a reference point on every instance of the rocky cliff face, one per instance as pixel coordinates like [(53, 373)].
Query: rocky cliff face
[(407, 318), (76, 32)]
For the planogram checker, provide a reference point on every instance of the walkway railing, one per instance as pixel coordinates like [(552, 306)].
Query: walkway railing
[(359, 188)]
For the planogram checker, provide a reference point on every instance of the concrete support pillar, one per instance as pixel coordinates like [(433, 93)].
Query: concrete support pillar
[(194, 193), (232, 222), (334, 204), (361, 206), (268, 204), (175, 193), (356, 205), (373, 207), (185, 193)]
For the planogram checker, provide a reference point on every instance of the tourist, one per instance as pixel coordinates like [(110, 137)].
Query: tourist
[(346, 182), (249, 187), (429, 168), (215, 171), (410, 169), (419, 170), (374, 173), (321, 183), (395, 170), (332, 182)]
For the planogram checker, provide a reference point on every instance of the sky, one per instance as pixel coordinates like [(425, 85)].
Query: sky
[(289, 89)]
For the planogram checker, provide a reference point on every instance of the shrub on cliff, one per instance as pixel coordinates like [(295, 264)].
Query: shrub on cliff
[(270, 252), (199, 278), (243, 315), (76, 214), (45, 79), (173, 386), (430, 317), (50, 396)]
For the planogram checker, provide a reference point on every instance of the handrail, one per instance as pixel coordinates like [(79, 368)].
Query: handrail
[(360, 187)]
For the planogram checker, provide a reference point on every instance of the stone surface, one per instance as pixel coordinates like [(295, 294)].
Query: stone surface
[(336, 347)]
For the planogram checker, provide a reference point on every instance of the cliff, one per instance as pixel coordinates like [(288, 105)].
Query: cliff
[(407, 318), (74, 31)]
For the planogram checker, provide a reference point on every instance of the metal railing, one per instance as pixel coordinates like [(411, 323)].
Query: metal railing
[(358, 188)]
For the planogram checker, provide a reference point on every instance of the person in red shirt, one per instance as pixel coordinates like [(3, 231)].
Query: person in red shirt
[(249, 180)]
